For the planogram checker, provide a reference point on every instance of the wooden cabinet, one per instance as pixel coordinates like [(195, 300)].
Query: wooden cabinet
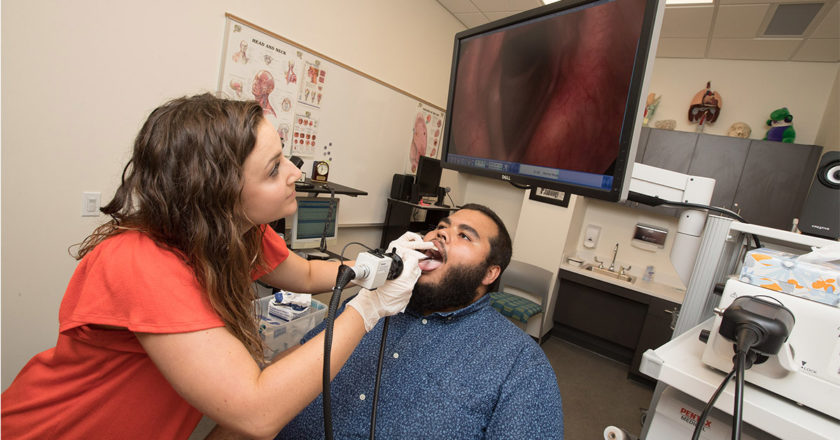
[(775, 182), (766, 182), (616, 322), (721, 158), (672, 150), (657, 330)]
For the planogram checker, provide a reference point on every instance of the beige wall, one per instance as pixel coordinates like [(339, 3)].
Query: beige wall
[(829, 134), (750, 90), (79, 78)]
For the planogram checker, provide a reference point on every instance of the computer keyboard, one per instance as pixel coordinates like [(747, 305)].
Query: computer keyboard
[(317, 255)]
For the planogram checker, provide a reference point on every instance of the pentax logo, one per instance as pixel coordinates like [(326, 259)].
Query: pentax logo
[(690, 417)]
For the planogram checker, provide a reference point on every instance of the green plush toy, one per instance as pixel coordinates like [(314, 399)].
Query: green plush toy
[(781, 126)]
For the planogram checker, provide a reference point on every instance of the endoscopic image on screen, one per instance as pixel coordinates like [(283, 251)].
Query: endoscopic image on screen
[(545, 91)]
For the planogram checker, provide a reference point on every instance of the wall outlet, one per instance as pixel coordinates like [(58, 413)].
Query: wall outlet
[(590, 236), (90, 204)]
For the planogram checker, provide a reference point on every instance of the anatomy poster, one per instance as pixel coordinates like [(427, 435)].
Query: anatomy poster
[(304, 135), (324, 110), (288, 83), (426, 134), (312, 85)]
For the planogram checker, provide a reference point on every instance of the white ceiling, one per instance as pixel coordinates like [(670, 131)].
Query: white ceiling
[(727, 29)]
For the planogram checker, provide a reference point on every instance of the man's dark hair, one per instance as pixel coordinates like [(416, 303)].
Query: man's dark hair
[(500, 245)]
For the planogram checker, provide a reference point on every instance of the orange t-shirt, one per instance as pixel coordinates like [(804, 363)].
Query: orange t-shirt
[(97, 383)]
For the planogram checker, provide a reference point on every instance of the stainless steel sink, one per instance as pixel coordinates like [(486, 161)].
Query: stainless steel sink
[(604, 271)]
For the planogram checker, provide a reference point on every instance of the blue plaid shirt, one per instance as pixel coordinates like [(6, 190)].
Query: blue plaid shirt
[(456, 375)]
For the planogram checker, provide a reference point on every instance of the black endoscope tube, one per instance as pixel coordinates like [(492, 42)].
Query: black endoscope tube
[(345, 275), (738, 403), (698, 427), (378, 377)]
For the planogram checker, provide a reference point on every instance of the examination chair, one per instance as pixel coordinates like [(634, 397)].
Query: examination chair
[(523, 296)]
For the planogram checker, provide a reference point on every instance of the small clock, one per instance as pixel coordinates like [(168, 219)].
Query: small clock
[(320, 170)]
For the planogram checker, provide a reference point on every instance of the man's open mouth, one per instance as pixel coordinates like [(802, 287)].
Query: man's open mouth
[(435, 259)]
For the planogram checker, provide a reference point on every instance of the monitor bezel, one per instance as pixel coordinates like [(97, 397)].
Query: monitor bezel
[(631, 125)]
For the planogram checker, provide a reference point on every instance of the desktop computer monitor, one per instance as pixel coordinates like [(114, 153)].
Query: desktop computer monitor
[(308, 222)]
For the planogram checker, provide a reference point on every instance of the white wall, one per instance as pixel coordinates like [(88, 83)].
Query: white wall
[(542, 232), (503, 198), (79, 78), (750, 91), (829, 134), (617, 223)]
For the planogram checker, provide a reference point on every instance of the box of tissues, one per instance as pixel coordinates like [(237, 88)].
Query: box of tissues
[(804, 276)]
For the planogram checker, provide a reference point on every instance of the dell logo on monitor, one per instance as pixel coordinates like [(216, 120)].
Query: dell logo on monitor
[(505, 177)]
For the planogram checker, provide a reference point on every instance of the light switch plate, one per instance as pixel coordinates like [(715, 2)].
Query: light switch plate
[(90, 204)]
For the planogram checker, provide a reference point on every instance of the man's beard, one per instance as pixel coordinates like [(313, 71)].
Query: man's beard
[(455, 290)]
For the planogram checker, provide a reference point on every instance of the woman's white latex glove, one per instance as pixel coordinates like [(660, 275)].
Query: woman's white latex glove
[(410, 240), (392, 297)]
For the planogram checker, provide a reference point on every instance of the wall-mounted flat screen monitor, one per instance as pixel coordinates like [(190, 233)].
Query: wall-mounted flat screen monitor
[(308, 222), (552, 97)]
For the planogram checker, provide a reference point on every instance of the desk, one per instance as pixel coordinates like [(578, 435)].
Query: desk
[(678, 365), (324, 188), (315, 188), (398, 219), (304, 253)]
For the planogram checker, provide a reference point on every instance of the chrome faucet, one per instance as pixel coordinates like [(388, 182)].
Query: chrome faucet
[(615, 252)]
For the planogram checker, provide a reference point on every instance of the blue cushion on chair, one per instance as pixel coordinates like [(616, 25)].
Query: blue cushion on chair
[(513, 306)]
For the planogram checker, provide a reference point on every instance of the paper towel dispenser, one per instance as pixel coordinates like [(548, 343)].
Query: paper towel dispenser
[(649, 237)]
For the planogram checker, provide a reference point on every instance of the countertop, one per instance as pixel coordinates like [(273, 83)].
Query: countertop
[(652, 288)]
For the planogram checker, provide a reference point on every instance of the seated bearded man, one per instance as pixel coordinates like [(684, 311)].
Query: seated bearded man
[(454, 367)]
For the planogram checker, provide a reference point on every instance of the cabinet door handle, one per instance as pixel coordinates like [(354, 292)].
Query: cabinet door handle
[(675, 314)]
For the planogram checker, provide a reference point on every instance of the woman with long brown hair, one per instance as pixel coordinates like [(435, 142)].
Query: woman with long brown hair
[(157, 325)]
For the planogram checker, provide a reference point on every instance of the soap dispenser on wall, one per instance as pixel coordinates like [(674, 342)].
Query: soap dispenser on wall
[(590, 236)]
